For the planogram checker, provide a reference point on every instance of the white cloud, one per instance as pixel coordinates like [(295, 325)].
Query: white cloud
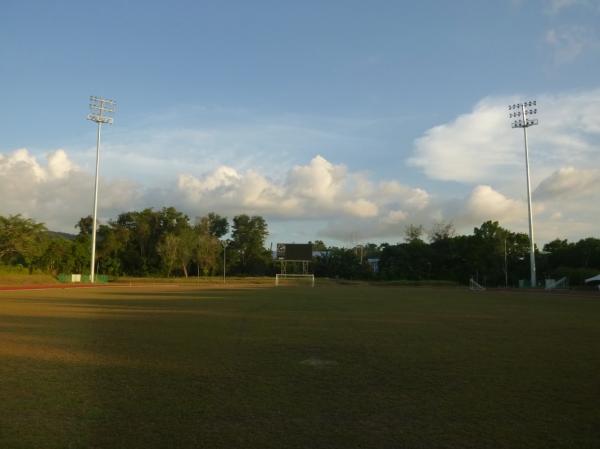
[(563, 206), (316, 190), (360, 208), (320, 180), (322, 198), (199, 142), (569, 183), (480, 147), (58, 193), (480, 150), (394, 217), (485, 203), (59, 165), (348, 206), (390, 191), (470, 148)]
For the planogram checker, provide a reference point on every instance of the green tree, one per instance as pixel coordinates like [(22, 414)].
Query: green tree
[(207, 246), (85, 225), (247, 246), (147, 230), (58, 257), (168, 248), (413, 232), (318, 245), (111, 242), (22, 240), (185, 249), (218, 226), (441, 231), (488, 254)]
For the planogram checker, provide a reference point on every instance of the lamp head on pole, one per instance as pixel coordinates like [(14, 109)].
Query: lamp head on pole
[(102, 110), (521, 113)]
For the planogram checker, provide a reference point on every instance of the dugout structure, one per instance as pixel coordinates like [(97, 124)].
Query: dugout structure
[(295, 262)]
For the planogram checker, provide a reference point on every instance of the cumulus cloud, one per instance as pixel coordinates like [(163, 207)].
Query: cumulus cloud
[(563, 206), (395, 216), (479, 150), (479, 147), (319, 189), (58, 192), (569, 182), (471, 148), (321, 198), (485, 203)]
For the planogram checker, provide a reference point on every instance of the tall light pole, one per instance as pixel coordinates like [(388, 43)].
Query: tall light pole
[(224, 243), (101, 112), (520, 113)]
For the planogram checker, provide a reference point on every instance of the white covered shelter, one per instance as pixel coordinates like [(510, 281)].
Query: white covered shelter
[(593, 279)]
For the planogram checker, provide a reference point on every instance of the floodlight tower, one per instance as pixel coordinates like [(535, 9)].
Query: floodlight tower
[(521, 113), (101, 112)]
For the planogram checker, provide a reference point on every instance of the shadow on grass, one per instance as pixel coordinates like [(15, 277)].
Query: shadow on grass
[(119, 369)]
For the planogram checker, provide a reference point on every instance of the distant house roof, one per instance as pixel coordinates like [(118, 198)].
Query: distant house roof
[(593, 279)]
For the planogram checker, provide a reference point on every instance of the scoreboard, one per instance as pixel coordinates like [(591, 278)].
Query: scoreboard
[(294, 251)]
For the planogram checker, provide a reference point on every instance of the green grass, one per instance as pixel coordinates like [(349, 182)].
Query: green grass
[(24, 278), (194, 280), (331, 367)]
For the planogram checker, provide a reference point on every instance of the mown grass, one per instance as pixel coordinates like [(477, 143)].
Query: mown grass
[(10, 275), (194, 280), (330, 367)]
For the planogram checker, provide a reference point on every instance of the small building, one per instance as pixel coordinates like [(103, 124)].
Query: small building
[(374, 264)]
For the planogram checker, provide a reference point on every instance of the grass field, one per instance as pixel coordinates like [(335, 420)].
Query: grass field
[(336, 366)]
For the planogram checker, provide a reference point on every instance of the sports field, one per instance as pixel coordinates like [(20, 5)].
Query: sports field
[(337, 366)]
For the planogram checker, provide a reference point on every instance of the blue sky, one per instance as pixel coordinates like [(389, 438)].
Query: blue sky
[(355, 95)]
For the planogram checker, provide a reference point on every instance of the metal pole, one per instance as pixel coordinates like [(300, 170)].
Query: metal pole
[(529, 209), (505, 266), (224, 252), (101, 110), (93, 261)]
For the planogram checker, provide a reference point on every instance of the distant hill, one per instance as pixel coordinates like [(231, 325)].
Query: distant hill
[(62, 235)]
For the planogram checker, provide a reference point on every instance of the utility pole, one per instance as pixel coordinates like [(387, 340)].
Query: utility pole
[(101, 112), (520, 113)]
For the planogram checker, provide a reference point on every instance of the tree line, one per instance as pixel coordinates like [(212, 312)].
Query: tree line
[(150, 242), (492, 255), (167, 242)]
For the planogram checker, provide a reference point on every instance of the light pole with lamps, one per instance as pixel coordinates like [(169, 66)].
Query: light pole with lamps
[(521, 113), (101, 112)]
